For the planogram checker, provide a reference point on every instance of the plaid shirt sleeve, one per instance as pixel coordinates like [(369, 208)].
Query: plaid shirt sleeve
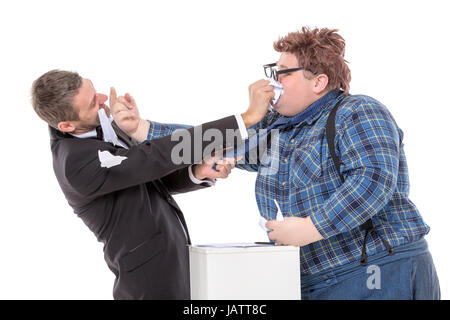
[(158, 130), (368, 148), (248, 163)]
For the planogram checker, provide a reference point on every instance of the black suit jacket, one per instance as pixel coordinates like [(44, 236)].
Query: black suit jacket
[(129, 207)]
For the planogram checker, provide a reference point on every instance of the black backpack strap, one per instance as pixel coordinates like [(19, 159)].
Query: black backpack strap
[(368, 225), (331, 133)]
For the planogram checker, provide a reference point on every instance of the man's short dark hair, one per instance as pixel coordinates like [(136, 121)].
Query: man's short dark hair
[(52, 95)]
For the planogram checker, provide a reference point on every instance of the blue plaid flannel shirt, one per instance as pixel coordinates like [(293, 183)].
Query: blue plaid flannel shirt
[(369, 145)]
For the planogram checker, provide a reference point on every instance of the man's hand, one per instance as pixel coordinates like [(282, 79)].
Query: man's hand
[(205, 170), (260, 94), (126, 115), (293, 231)]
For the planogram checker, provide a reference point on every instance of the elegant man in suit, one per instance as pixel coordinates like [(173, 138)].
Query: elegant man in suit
[(122, 190)]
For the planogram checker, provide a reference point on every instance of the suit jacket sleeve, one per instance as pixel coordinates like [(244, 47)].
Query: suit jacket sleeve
[(180, 182), (140, 164)]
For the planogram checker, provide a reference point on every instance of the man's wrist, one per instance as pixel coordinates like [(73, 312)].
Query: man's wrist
[(242, 128), (195, 173), (141, 132), (249, 119), (210, 182), (315, 234)]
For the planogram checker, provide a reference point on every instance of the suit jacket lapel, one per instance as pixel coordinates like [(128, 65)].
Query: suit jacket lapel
[(123, 136)]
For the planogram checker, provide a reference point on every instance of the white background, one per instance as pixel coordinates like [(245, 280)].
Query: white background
[(191, 62)]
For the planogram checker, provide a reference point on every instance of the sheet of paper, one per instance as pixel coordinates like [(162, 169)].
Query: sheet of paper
[(279, 213), (262, 224), (262, 220)]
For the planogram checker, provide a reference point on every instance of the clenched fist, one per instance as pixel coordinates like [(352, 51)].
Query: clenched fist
[(223, 168)]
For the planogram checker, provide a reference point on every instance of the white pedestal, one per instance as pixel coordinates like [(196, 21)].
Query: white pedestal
[(244, 272)]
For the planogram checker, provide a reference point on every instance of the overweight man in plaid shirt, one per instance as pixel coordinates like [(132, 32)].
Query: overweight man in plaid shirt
[(360, 236), (346, 204)]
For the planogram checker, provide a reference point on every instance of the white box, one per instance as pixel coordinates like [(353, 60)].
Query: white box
[(244, 272)]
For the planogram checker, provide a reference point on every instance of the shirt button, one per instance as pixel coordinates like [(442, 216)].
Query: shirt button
[(283, 183), (285, 160), (292, 140)]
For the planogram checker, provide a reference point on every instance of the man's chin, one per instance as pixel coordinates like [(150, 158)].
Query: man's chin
[(95, 124), (278, 108), (285, 111)]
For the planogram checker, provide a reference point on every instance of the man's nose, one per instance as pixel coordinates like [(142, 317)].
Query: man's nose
[(102, 98)]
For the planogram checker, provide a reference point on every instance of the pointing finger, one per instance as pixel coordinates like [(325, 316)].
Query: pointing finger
[(112, 97)]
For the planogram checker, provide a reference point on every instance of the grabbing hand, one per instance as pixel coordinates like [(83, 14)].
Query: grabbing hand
[(223, 168)]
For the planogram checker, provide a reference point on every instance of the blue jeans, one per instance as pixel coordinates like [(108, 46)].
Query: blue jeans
[(409, 274)]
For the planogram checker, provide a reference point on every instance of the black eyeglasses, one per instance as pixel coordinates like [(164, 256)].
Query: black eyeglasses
[(271, 72)]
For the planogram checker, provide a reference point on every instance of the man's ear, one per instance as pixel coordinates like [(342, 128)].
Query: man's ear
[(66, 126), (320, 83)]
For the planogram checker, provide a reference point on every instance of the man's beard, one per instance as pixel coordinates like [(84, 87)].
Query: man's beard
[(89, 126)]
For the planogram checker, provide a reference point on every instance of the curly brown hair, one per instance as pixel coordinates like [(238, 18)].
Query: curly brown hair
[(320, 51)]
